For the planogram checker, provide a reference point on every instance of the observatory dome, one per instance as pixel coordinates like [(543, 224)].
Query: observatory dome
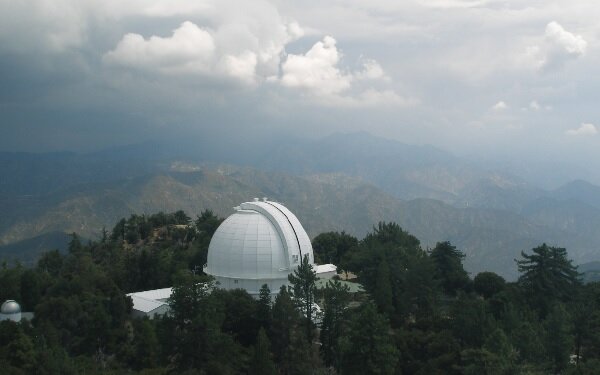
[(10, 307), (261, 243), (10, 310)]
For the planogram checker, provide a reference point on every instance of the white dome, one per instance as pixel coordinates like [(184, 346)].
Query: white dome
[(10, 307), (261, 243)]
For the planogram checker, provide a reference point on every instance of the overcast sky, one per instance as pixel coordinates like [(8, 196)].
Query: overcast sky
[(513, 79)]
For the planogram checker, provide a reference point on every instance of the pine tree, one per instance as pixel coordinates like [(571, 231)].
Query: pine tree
[(558, 341), (449, 270), (303, 289), (285, 318), (264, 311), (368, 347), (383, 289), (262, 364), (547, 277), (336, 298)]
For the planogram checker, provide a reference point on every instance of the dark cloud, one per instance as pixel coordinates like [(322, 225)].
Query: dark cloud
[(86, 75)]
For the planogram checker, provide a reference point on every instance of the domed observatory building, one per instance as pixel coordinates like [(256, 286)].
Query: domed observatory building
[(10, 310), (261, 243)]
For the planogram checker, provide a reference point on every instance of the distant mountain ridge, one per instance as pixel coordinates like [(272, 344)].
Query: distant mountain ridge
[(342, 182)]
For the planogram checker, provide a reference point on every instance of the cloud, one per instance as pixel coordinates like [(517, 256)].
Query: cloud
[(226, 40), (572, 44), (318, 74), (500, 106), (372, 70), (242, 66), (42, 26), (557, 47), (586, 129), (189, 50), (370, 98), (317, 70), (534, 105)]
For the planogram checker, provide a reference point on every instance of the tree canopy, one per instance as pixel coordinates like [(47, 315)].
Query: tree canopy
[(420, 312)]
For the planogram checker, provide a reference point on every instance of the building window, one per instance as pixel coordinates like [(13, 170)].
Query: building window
[(295, 258), (235, 281)]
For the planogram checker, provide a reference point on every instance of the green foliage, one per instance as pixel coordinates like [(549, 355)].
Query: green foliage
[(558, 341), (470, 321), (449, 270), (262, 364), (421, 290), (336, 298), (368, 347), (424, 317), (381, 261), (239, 315), (264, 313), (285, 319), (331, 247), (547, 277), (488, 284), (383, 289), (197, 317), (303, 288)]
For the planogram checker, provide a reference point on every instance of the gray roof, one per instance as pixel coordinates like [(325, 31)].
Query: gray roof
[(144, 304)]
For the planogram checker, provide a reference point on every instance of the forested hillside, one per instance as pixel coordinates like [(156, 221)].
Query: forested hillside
[(421, 313), (342, 182)]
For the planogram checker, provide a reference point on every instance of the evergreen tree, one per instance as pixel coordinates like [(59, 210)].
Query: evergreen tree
[(197, 317), (239, 311), (264, 311), (528, 339), (285, 318), (505, 354), (262, 364), (420, 290), (50, 263), (449, 270), (368, 347), (336, 298), (383, 289), (558, 340), (389, 244), (298, 358), (470, 322), (145, 345), (303, 287), (332, 247), (20, 351), (547, 277), (488, 284)]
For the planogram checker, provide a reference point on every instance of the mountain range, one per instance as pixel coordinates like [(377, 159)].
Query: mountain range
[(342, 182)]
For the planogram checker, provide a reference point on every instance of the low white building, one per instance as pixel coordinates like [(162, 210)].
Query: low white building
[(150, 303), (325, 271)]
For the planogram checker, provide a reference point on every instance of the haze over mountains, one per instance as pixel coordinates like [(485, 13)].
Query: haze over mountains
[(341, 182)]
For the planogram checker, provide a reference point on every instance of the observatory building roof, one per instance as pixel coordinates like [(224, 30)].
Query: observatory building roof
[(261, 240)]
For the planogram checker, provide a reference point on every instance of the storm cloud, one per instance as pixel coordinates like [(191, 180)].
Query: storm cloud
[(474, 77)]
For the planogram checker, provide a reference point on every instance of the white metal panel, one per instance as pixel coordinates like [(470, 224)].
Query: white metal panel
[(246, 246), (261, 242), (145, 305), (322, 268), (155, 294)]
